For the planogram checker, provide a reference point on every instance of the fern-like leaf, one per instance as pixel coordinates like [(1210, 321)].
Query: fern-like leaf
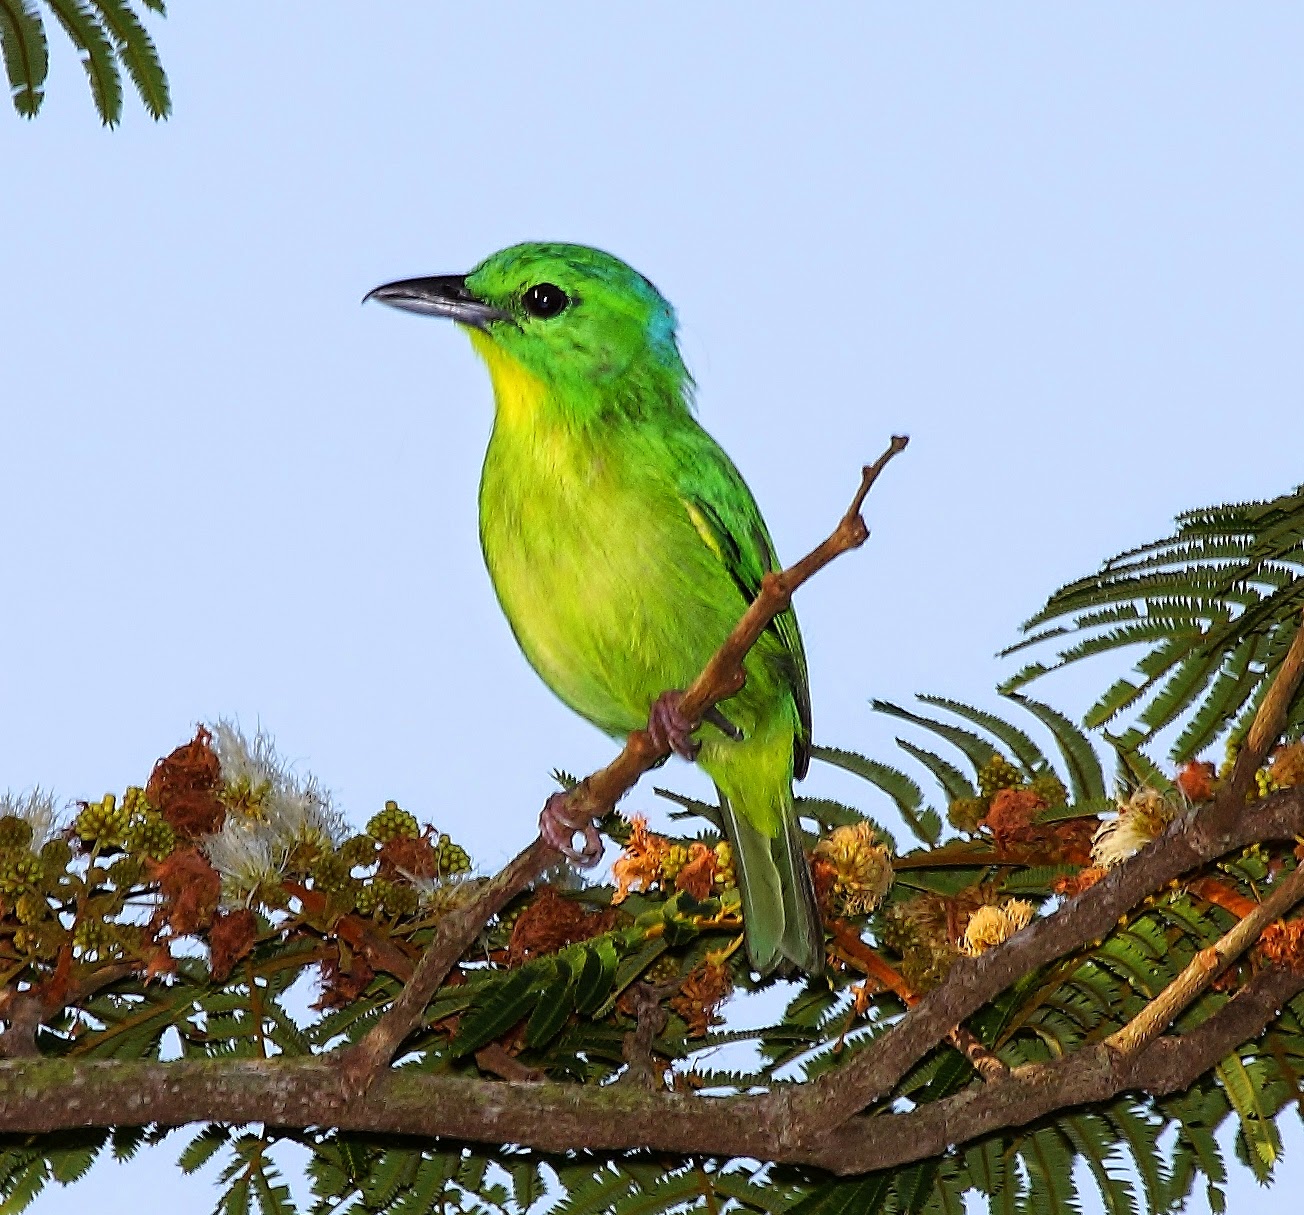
[(26, 54), (1215, 605), (137, 53)]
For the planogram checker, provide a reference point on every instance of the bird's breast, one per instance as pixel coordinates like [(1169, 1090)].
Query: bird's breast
[(593, 563)]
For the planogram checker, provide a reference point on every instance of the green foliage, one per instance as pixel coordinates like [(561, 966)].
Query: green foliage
[(1214, 605), (109, 38)]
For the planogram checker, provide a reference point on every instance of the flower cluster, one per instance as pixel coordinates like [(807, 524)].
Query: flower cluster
[(1142, 817), (273, 817), (218, 841), (701, 994), (994, 924), (1009, 810), (852, 871), (650, 861)]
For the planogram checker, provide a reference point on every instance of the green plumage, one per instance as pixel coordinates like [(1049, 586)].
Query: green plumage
[(624, 545)]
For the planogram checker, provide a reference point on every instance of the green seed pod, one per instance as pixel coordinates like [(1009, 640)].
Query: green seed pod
[(91, 935), (401, 899), (31, 908), (358, 851), (725, 878), (56, 854), (965, 813), (675, 858), (368, 899), (103, 822), (1050, 789), (15, 832), (329, 872), (997, 774), (19, 870), (662, 970), (134, 800), (393, 823), (453, 858), (150, 835)]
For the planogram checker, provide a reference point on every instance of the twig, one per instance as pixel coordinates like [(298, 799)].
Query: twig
[(650, 1019), (495, 1060), (1265, 730), (848, 941), (597, 794), (1156, 1016)]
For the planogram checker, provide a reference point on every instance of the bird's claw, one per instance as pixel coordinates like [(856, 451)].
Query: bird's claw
[(559, 823), (669, 727)]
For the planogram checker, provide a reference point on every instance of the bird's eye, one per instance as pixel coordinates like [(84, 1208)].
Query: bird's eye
[(544, 300)]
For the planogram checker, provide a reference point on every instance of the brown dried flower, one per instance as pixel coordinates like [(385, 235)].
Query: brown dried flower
[(190, 889), (701, 994), (698, 873), (551, 922), (184, 787), (1195, 780), (230, 939), (639, 865)]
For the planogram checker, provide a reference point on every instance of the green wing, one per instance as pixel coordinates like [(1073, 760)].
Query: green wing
[(724, 511)]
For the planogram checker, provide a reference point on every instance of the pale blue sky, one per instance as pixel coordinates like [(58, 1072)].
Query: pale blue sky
[(1059, 245)]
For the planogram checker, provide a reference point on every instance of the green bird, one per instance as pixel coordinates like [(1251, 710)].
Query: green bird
[(623, 546)]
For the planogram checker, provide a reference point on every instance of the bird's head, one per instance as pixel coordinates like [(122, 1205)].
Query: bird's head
[(569, 315)]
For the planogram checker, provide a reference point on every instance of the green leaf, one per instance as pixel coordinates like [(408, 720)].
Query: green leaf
[(23, 1187), (978, 751), (1020, 745), (597, 975), (98, 57), (955, 784), (527, 1183), (896, 784), (26, 56), (1086, 779), (202, 1148), (860, 1196), (554, 1005), (507, 1003), (137, 52)]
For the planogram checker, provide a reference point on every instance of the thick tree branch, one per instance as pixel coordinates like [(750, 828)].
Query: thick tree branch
[(597, 794), (41, 1095)]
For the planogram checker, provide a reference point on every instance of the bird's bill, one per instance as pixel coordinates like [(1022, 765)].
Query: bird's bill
[(439, 295)]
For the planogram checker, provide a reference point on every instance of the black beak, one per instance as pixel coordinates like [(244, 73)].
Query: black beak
[(439, 295)]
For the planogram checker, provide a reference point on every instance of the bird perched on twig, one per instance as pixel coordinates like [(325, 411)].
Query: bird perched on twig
[(623, 546)]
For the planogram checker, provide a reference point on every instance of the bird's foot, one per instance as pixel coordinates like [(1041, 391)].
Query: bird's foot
[(723, 724), (669, 727), (559, 824)]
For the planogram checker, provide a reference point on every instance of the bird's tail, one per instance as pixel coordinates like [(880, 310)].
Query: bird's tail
[(780, 917)]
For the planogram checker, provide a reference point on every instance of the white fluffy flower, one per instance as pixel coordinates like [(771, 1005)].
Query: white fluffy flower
[(247, 857), (441, 895), (36, 809), (1141, 818), (294, 809)]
